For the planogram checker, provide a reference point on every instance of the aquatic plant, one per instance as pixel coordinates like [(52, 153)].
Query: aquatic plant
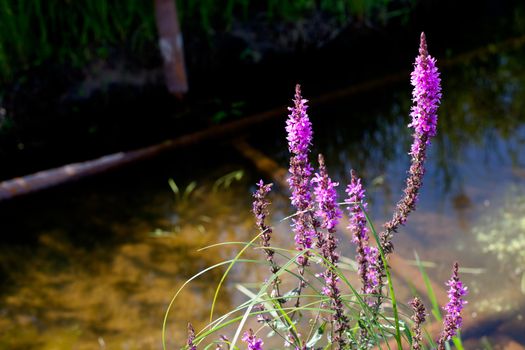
[(333, 313)]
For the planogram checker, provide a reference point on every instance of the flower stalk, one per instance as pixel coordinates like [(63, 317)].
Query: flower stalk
[(191, 337), (418, 317), (252, 341), (367, 256), (299, 129), (453, 320), (299, 138), (329, 212), (260, 211), (426, 96)]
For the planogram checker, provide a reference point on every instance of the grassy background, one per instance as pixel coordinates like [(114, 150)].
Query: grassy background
[(75, 32)]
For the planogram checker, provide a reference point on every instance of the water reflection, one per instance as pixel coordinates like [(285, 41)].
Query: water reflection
[(94, 268)]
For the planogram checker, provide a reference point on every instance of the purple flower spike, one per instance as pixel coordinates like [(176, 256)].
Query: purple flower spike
[(191, 337), (356, 201), (260, 204), (260, 210), (299, 129), (329, 212), (418, 318), (426, 94), (299, 138), (326, 198), (252, 341), (453, 319), (367, 256), (426, 97)]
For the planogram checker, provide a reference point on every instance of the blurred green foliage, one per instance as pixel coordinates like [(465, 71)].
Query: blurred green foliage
[(75, 32), (72, 32)]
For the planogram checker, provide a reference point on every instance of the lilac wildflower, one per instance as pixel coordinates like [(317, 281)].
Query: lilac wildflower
[(418, 318), (252, 341), (367, 256), (329, 211), (299, 129), (299, 139), (426, 97), (260, 210), (191, 337), (260, 204), (326, 198), (453, 319), (261, 317), (426, 93)]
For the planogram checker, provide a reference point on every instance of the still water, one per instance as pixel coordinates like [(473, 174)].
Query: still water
[(93, 265)]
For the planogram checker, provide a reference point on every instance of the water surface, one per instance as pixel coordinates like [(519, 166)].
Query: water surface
[(94, 264)]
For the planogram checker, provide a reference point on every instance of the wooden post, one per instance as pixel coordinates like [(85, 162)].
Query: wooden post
[(171, 47)]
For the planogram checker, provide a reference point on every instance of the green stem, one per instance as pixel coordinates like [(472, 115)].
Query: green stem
[(389, 279)]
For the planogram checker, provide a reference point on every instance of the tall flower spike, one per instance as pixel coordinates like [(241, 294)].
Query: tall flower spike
[(426, 96), (252, 341), (299, 129), (328, 210), (260, 210), (191, 337), (367, 256), (299, 138), (326, 198), (453, 319), (418, 318)]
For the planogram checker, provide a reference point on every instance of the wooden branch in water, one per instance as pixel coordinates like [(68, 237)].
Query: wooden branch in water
[(264, 164), (53, 177)]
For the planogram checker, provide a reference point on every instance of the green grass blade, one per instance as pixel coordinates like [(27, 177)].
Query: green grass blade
[(170, 305), (233, 261), (436, 311), (389, 279)]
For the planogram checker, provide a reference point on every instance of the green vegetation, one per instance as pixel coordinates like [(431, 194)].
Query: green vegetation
[(74, 33), (70, 32)]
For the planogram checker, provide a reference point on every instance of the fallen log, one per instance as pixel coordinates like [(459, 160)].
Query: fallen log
[(262, 163), (56, 176)]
